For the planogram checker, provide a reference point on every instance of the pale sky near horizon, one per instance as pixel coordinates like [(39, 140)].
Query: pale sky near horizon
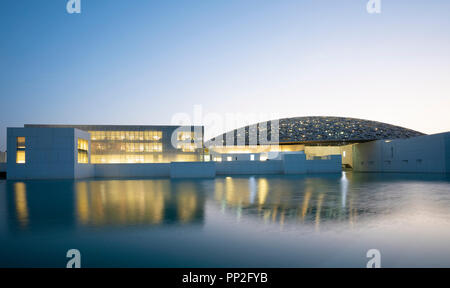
[(141, 62)]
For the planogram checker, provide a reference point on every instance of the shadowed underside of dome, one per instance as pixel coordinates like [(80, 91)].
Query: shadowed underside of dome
[(316, 130)]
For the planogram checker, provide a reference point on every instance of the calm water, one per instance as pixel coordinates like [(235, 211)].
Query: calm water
[(276, 221)]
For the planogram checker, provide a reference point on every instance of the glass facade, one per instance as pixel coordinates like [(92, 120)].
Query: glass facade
[(144, 146), (116, 144)]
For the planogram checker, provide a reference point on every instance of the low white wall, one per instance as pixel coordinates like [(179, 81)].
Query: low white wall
[(249, 167), (294, 163), (192, 170), (332, 165), (84, 171), (241, 157), (132, 170), (423, 154)]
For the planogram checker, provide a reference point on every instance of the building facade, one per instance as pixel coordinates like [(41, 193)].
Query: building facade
[(73, 151), (301, 146), (116, 144), (315, 136)]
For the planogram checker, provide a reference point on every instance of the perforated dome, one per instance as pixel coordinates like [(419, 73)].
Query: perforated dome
[(325, 129)]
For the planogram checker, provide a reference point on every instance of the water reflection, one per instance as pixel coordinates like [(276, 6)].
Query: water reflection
[(68, 204), (344, 188), (307, 200), (20, 194), (302, 199), (338, 216), (137, 202)]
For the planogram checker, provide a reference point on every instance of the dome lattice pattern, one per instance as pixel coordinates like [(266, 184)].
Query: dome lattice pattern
[(323, 129)]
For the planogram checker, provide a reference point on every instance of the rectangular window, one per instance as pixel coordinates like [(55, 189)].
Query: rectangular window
[(20, 157), (83, 151), (20, 153)]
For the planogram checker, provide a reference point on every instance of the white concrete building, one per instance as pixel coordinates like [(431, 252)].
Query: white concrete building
[(422, 154), (48, 153), (67, 152)]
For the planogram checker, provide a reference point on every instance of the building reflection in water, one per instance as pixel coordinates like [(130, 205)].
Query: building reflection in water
[(299, 199), (138, 202), (20, 198)]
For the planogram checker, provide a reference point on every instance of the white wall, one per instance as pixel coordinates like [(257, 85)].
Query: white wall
[(240, 157), (49, 153), (192, 170), (132, 170), (249, 167), (423, 154), (294, 163), (331, 165)]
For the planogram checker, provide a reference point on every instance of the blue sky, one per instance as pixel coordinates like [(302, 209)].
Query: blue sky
[(142, 61)]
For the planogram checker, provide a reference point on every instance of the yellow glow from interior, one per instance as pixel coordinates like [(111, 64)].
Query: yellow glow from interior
[(20, 152), (20, 157), (305, 204), (120, 203), (20, 142), (187, 206), (263, 190), (185, 158), (83, 151), (83, 144), (126, 135), (82, 202), (318, 210), (187, 147), (255, 149), (20, 194), (183, 136)]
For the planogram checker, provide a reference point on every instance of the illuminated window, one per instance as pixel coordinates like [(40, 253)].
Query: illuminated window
[(83, 151), (183, 136), (229, 158), (143, 146), (252, 157), (187, 147), (20, 153)]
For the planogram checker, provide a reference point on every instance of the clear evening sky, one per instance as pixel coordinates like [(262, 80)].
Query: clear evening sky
[(141, 61)]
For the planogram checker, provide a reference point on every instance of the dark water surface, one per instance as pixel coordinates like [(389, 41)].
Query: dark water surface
[(273, 221)]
